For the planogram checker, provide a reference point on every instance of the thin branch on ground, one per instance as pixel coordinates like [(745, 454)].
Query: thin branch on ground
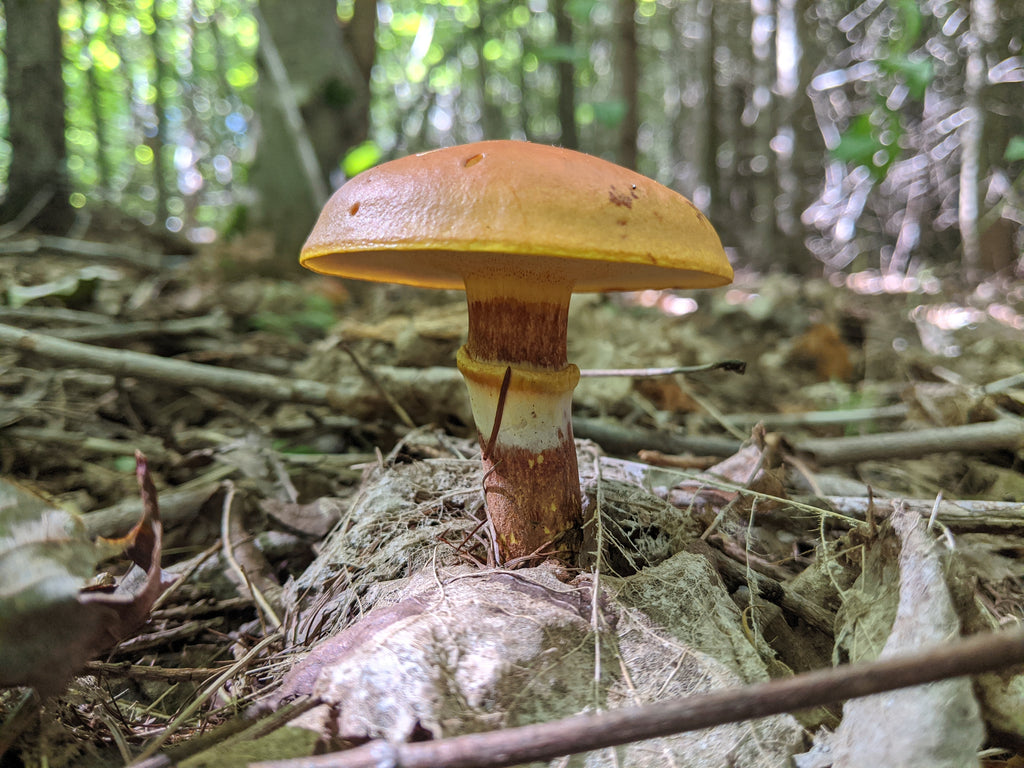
[(966, 516), (733, 366), (86, 249)]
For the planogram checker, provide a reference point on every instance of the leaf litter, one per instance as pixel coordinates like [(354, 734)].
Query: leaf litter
[(700, 579)]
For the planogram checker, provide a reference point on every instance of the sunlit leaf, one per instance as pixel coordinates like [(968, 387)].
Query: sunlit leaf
[(917, 73), (361, 157), (492, 49), (241, 76), (861, 144), (908, 25), (1014, 149), (103, 56)]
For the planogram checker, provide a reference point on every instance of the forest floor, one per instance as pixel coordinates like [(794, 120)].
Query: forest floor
[(858, 393)]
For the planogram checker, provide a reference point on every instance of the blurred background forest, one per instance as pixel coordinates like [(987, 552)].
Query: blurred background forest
[(884, 137)]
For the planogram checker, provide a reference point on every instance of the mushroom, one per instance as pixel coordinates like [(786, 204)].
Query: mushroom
[(520, 227)]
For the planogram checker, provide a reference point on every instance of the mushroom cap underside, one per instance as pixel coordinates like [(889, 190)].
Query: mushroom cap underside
[(511, 210)]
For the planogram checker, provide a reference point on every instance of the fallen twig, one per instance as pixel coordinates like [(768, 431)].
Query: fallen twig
[(819, 418), (733, 366), (1003, 434), (583, 733), (86, 249), (958, 516), (121, 362), (110, 332), (616, 438)]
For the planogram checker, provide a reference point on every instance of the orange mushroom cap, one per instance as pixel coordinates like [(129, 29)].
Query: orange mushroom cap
[(513, 209)]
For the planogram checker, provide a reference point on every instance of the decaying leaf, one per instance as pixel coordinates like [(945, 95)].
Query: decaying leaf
[(933, 725), (50, 621)]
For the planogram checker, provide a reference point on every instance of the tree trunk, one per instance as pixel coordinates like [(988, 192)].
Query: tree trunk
[(709, 141), (161, 143), (35, 100), (310, 114), (764, 126), (491, 118), (570, 138), (983, 20), (629, 71)]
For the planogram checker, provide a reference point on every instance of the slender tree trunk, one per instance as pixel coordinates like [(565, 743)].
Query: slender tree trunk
[(491, 118), (983, 20), (763, 166), (707, 160), (35, 102), (161, 140), (103, 175), (629, 71), (566, 78)]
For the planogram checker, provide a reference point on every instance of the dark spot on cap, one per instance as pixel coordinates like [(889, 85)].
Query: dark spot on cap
[(470, 162), (623, 199), (353, 209)]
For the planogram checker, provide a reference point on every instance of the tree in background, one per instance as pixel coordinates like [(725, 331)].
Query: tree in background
[(881, 134), (313, 107), (37, 179)]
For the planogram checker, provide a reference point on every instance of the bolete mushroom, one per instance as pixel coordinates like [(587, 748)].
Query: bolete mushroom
[(520, 226)]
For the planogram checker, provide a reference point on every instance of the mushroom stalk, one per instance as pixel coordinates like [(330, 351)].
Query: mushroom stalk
[(531, 485)]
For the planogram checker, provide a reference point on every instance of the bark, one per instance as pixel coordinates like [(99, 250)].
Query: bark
[(761, 105), (566, 79), (983, 16), (710, 138), (161, 143), (330, 93), (629, 73), (35, 101), (491, 117)]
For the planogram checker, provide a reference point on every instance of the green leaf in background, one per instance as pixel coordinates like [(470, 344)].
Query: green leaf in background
[(917, 73), (610, 113), (861, 144), (907, 28), (555, 53), (580, 10), (858, 142), (1014, 149), (361, 157)]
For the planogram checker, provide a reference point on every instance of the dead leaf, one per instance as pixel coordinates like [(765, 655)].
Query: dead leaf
[(822, 349), (935, 725), (50, 623)]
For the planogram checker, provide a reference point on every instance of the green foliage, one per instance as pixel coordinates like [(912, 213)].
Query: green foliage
[(157, 106), (361, 157), (872, 139), (1014, 149), (315, 317)]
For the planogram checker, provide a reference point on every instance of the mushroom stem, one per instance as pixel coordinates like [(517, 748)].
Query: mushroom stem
[(532, 486)]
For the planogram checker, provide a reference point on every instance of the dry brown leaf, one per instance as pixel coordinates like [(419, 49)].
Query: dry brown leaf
[(50, 621)]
